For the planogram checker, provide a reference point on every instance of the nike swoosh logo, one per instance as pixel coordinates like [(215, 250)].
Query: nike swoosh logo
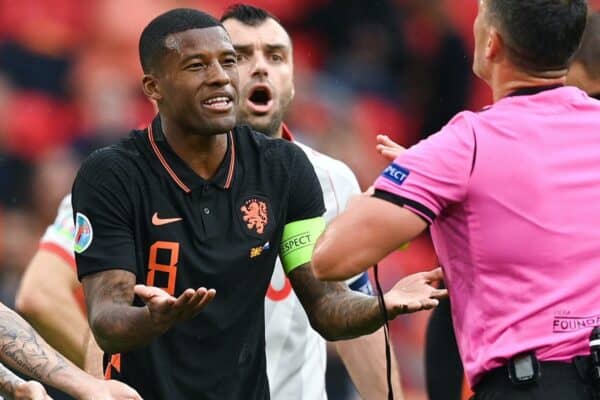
[(163, 221)]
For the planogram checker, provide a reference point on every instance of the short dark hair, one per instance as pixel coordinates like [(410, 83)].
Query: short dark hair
[(152, 41), (248, 15), (589, 52), (541, 35)]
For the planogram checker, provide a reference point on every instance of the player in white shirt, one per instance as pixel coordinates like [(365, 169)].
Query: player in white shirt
[(296, 354)]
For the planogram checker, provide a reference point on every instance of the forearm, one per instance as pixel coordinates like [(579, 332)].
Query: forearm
[(119, 327), (8, 382), (346, 314), (47, 302), (62, 324), (23, 349), (335, 311), (364, 358), (93, 356)]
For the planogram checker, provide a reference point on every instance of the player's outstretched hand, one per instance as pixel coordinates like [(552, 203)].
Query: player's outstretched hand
[(415, 293), (166, 309), (388, 148), (100, 389), (31, 390)]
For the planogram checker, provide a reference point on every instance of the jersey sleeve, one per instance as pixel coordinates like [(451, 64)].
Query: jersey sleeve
[(305, 199), (434, 173), (58, 238), (103, 211)]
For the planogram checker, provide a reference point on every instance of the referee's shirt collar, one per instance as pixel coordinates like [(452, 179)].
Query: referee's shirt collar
[(180, 172)]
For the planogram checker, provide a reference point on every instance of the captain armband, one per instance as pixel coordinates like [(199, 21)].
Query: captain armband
[(298, 242)]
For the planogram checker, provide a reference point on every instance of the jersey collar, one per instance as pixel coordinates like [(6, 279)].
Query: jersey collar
[(528, 91), (179, 171), (286, 133)]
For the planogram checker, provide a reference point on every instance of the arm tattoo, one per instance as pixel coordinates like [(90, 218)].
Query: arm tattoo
[(335, 311), (8, 382), (23, 348)]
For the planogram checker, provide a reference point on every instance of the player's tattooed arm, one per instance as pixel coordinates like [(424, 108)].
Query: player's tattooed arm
[(22, 348), (8, 382), (337, 312), (119, 326)]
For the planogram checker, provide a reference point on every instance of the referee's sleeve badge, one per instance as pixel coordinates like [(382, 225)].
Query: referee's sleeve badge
[(395, 173)]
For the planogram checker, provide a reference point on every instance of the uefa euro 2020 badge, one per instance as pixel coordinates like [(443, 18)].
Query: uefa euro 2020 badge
[(83, 233)]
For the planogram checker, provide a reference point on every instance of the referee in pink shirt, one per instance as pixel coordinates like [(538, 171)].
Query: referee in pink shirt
[(512, 196)]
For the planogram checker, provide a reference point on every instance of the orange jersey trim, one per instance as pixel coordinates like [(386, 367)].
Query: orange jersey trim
[(115, 362), (172, 173), (164, 162), (231, 163)]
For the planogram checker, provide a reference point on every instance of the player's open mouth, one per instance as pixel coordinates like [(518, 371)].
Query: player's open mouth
[(260, 100), (220, 103)]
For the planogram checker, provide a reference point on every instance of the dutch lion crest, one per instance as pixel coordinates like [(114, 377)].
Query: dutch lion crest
[(255, 215)]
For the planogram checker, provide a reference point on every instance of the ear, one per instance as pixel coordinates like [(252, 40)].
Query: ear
[(151, 87), (495, 46)]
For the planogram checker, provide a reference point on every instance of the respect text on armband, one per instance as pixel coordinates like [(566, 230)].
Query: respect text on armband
[(296, 242)]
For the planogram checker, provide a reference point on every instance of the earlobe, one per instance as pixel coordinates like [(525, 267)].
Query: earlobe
[(151, 88)]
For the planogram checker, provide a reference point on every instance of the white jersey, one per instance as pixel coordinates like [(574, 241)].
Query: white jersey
[(59, 237), (296, 354)]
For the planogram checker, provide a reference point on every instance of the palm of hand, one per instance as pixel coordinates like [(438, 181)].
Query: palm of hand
[(414, 293)]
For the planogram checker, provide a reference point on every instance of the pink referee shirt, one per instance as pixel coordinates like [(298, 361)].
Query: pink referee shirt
[(513, 197)]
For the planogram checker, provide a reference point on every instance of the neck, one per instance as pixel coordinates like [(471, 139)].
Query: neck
[(203, 154), (278, 133), (507, 80), (591, 87)]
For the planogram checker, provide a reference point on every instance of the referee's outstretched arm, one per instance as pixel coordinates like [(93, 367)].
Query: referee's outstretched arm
[(345, 250)]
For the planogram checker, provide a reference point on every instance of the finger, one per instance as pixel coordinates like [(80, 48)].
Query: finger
[(184, 298), (439, 294), (389, 154), (386, 141), (147, 292), (206, 299), (429, 304), (434, 275)]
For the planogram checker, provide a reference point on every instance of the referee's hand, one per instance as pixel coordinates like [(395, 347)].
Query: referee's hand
[(165, 309), (415, 293)]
